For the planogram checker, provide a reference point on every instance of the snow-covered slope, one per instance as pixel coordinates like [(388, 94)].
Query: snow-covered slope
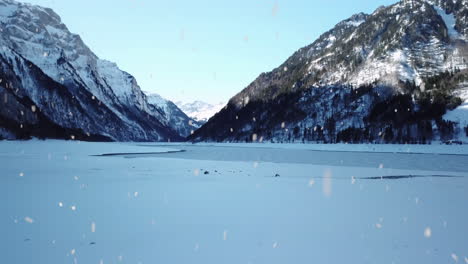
[(53, 85), (199, 110), (459, 115), (386, 76)]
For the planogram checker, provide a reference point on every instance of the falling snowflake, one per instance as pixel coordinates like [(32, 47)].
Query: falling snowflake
[(225, 235), (285, 69), (33, 108), (275, 245), (73, 251), (327, 183), (274, 11), (283, 125), (135, 194), (381, 166), (378, 225), (28, 220), (21, 174), (254, 137), (454, 257), (73, 208), (353, 180), (427, 232), (60, 204), (311, 183), (93, 227), (182, 35), (196, 172)]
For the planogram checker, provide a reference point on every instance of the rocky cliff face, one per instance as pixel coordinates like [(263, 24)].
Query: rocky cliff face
[(53, 85), (388, 77)]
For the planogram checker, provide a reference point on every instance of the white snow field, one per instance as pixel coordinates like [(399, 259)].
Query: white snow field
[(60, 203)]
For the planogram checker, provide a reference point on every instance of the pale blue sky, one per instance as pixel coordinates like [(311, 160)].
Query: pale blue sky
[(201, 50)]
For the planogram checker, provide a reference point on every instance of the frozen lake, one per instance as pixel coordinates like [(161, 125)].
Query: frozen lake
[(76, 202)]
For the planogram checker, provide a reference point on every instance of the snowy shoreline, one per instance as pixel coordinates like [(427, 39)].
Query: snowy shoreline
[(435, 148), (91, 148)]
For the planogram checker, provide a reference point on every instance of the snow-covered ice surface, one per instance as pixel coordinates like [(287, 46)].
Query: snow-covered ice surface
[(62, 204)]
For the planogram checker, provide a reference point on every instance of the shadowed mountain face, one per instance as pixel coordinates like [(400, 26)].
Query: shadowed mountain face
[(53, 86), (385, 77)]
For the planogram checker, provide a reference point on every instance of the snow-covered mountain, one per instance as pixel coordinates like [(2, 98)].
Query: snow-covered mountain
[(53, 85), (387, 76), (174, 116), (199, 110)]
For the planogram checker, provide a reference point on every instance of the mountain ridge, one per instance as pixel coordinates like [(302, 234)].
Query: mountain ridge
[(76, 93), (402, 49)]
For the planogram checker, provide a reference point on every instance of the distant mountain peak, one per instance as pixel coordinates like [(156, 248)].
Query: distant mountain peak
[(199, 110)]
